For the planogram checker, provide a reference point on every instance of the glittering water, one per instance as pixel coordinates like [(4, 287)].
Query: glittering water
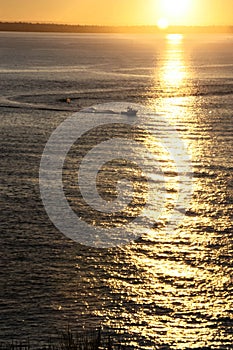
[(174, 291)]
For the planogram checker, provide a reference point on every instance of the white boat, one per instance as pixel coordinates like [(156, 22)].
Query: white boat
[(129, 112)]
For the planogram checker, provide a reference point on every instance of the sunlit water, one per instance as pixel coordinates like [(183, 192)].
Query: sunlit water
[(174, 291)]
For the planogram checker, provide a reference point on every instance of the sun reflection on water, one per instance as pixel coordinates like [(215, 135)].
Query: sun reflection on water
[(169, 288), (172, 77), (173, 72)]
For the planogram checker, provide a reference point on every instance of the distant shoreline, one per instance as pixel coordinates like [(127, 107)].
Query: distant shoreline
[(68, 28)]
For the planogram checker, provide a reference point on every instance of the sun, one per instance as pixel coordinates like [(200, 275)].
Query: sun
[(162, 23)]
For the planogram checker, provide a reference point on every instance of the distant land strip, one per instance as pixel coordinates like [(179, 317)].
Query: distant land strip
[(68, 28)]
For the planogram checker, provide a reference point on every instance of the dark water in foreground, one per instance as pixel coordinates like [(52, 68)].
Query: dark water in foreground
[(174, 290)]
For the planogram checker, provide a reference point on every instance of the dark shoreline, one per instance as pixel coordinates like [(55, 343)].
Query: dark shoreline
[(67, 28)]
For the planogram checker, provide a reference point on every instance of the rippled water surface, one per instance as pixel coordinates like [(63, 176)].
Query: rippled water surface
[(174, 291)]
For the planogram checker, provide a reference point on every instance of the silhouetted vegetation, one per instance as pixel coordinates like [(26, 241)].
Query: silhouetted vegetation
[(65, 28), (88, 340)]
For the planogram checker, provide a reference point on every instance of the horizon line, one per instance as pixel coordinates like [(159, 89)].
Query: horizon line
[(115, 25), (39, 27)]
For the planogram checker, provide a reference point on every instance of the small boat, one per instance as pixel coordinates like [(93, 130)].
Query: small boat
[(130, 112)]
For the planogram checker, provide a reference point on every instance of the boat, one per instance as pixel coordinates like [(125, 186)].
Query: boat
[(130, 112)]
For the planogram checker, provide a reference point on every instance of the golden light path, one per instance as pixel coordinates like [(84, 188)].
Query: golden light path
[(164, 279), (171, 76), (173, 72)]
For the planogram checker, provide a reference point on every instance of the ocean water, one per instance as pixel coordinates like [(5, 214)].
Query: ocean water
[(170, 291)]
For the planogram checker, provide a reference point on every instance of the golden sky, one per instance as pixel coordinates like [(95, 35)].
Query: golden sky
[(119, 12)]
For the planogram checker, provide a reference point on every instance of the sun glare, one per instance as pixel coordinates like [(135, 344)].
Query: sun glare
[(175, 8)]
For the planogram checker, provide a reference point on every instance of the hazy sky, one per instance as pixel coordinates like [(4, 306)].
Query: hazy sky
[(119, 12)]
